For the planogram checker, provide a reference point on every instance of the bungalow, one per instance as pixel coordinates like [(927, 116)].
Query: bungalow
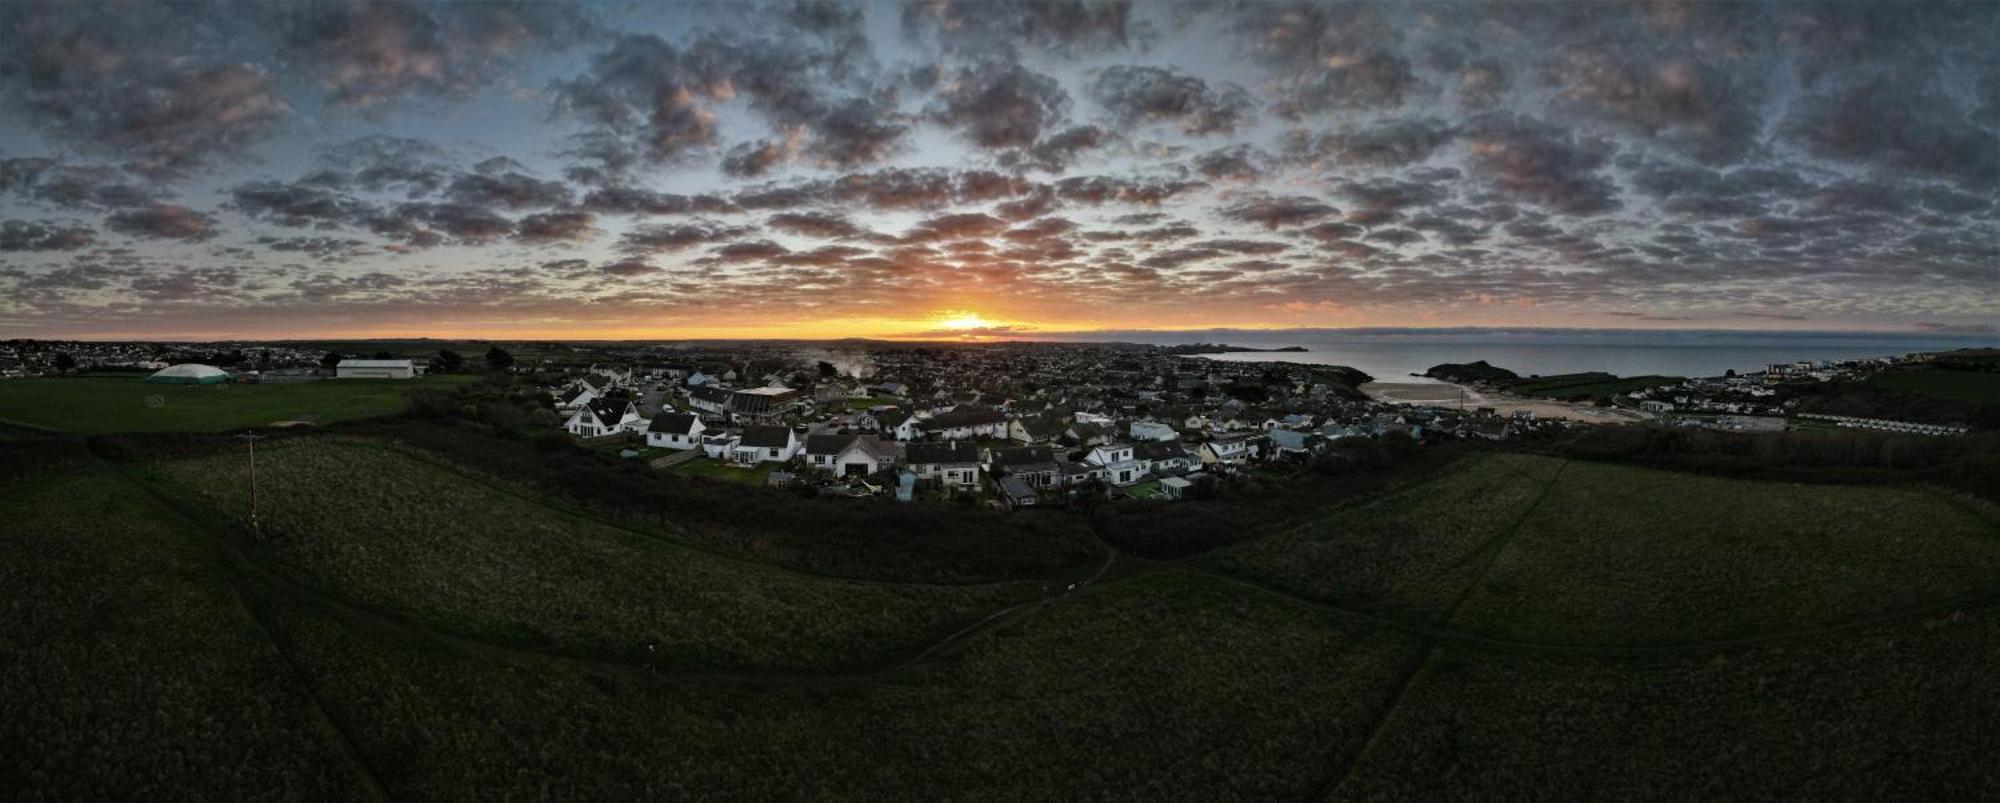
[(1034, 465), (1034, 429), (849, 455), (1165, 457), (603, 417), (1016, 492), (1087, 434), (675, 431), (766, 444), (1120, 467), (1288, 443), (1153, 431), (969, 421), (950, 464), (1071, 475)]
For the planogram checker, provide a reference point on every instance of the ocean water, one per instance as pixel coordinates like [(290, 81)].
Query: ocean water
[(1393, 355)]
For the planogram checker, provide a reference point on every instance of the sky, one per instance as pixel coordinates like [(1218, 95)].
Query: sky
[(993, 168)]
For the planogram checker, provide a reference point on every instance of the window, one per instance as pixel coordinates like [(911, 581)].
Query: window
[(774, 452)]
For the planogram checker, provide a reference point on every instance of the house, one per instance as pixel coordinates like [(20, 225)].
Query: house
[(1034, 429), (949, 464), (1153, 431), (1120, 468), (576, 395), (1085, 434), (849, 455), (1289, 443), (765, 405), (603, 417), (895, 423), (1168, 457), (765, 444), (375, 369), (969, 421), (1071, 475), (1015, 492), (719, 446), (1227, 450), (711, 401), (1034, 465), (675, 431), (1175, 487)]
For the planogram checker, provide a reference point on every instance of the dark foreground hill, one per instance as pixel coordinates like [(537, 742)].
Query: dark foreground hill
[(1511, 626)]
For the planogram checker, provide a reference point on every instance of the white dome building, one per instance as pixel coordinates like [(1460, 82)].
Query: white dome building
[(189, 373)]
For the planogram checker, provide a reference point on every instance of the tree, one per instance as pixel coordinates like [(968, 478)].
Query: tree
[(827, 370), (331, 360), (498, 359), (450, 361), (65, 362)]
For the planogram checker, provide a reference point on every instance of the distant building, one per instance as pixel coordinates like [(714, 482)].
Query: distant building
[(189, 374), (375, 369)]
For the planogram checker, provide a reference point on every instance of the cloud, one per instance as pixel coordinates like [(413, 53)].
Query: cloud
[(465, 223), (1003, 27), (367, 53), (163, 221), (1391, 143), (509, 190), (1545, 164), (1000, 104), (1272, 212), (555, 227), (24, 235), (655, 238), (1138, 95), (823, 225)]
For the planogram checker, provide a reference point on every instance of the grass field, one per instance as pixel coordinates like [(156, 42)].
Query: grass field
[(98, 405), (387, 531), (1965, 386), (1512, 627), (723, 470), (1587, 386)]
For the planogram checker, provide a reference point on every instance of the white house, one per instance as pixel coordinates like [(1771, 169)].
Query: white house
[(375, 369), (849, 455), (950, 464), (1165, 457), (766, 444), (895, 423), (969, 421), (603, 417), (1117, 461), (1153, 431), (675, 431), (1228, 450)]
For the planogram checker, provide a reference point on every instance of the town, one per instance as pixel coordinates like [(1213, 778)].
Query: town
[(1021, 424)]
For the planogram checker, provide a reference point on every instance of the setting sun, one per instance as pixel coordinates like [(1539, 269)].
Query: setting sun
[(962, 319)]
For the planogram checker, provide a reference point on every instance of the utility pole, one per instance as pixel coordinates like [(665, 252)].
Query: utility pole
[(251, 438)]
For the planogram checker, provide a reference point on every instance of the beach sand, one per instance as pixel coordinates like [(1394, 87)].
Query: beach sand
[(1441, 394)]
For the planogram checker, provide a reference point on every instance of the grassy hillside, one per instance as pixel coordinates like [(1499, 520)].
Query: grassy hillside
[(1962, 386), (387, 531), (1514, 626), (95, 405)]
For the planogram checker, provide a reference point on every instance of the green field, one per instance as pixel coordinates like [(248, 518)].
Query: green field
[(98, 405), (1964, 386), (1512, 627), (723, 470), (1588, 386)]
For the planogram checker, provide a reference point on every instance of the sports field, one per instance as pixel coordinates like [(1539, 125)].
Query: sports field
[(92, 405)]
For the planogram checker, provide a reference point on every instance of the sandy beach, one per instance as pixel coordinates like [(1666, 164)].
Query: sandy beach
[(1443, 394)]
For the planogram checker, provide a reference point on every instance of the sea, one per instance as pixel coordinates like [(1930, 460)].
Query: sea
[(1396, 355)]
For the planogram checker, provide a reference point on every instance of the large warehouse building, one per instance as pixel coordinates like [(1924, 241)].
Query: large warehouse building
[(375, 369)]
